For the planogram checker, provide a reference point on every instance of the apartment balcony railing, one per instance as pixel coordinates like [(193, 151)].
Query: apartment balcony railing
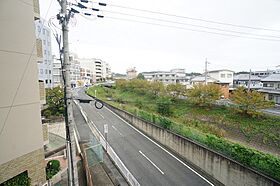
[(36, 9), (42, 92), (39, 47)]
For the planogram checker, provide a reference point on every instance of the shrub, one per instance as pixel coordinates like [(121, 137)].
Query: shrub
[(21, 179), (53, 167), (163, 106)]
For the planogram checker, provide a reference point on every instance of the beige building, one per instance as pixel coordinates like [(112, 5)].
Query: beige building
[(131, 73), (21, 139)]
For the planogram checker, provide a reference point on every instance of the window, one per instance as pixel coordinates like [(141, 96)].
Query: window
[(44, 31), (46, 81), (38, 28), (50, 71), (45, 52), (50, 81), (223, 75), (46, 71), (229, 75), (44, 42), (270, 97)]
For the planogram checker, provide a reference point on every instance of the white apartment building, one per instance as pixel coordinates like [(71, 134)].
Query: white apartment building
[(168, 77), (21, 136), (57, 73), (222, 76), (45, 64), (101, 71), (75, 75)]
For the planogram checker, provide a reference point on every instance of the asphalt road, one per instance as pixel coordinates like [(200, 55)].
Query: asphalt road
[(149, 163)]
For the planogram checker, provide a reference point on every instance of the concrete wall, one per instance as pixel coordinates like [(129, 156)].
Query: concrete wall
[(221, 168), (20, 121)]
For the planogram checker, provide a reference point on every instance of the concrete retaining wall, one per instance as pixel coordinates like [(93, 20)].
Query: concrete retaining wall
[(221, 168)]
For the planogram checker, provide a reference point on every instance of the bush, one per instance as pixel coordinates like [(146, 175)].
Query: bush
[(21, 179), (53, 167), (163, 106)]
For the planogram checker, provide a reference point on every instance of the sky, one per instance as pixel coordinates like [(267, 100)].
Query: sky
[(126, 44)]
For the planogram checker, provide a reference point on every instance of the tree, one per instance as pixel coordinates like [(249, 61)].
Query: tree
[(176, 90), (156, 87), (204, 95), (140, 76), (249, 102), (55, 102), (163, 106)]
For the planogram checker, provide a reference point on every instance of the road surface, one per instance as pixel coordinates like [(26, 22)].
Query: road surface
[(148, 162)]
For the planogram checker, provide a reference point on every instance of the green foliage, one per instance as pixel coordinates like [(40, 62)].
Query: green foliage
[(204, 95), (53, 167), (156, 88), (164, 106), (176, 90), (21, 179), (55, 102), (140, 76), (265, 163), (249, 102)]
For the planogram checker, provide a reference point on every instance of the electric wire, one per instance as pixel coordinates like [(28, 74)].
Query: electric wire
[(183, 17), (181, 28)]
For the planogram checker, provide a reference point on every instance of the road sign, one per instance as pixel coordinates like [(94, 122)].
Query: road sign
[(105, 128)]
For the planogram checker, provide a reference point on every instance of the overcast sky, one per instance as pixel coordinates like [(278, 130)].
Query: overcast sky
[(125, 44)]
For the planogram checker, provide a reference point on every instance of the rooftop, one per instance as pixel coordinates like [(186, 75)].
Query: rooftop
[(246, 77), (272, 77)]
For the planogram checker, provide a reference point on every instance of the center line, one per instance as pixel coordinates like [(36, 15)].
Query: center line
[(117, 130), (151, 162), (100, 115)]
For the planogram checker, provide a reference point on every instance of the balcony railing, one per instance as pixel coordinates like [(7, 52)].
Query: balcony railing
[(39, 47), (36, 9)]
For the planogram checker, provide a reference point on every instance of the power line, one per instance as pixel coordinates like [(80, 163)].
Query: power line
[(180, 16), (181, 28), (187, 24)]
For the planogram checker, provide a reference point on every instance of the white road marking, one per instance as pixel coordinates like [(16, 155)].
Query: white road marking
[(101, 115), (162, 148), (151, 162), (117, 130)]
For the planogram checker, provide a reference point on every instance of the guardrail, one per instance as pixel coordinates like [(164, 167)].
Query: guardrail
[(123, 169)]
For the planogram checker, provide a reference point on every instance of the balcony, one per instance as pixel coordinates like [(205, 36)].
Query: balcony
[(36, 9), (39, 47), (42, 92)]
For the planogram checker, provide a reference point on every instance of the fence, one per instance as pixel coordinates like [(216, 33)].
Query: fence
[(123, 169)]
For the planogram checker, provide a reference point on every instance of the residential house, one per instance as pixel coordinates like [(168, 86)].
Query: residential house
[(224, 86), (243, 80), (271, 88), (222, 76)]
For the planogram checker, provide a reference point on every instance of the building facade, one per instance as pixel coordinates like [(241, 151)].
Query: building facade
[(168, 77), (271, 88), (131, 73), (244, 79), (57, 73), (75, 74), (21, 137), (222, 76), (45, 64)]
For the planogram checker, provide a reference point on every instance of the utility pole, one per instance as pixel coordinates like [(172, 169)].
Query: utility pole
[(206, 71), (249, 82), (64, 17)]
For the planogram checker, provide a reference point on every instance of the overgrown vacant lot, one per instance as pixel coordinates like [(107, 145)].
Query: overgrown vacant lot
[(260, 133)]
